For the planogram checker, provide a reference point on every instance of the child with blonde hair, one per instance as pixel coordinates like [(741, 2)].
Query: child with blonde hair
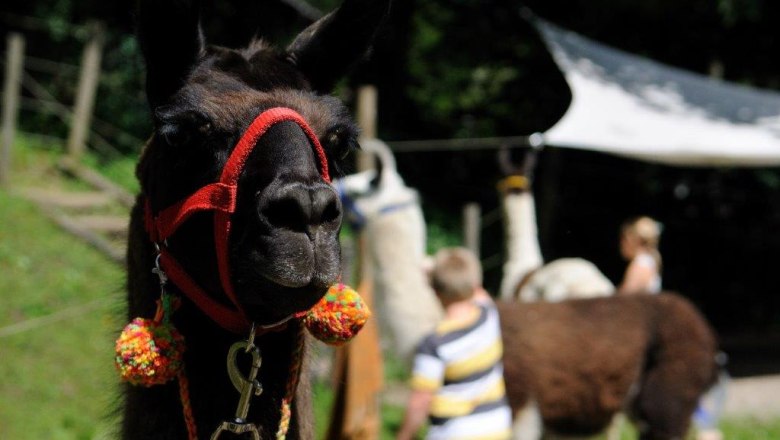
[(458, 378), (639, 239)]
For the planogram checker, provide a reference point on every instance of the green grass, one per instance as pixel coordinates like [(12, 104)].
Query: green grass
[(120, 170), (392, 415), (57, 380), (751, 429)]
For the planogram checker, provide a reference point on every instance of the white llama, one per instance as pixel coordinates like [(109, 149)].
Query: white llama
[(393, 221), (526, 277)]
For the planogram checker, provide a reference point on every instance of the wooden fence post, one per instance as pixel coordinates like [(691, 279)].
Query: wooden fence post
[(11, 90), (471, 227), (359, 368), (366, 119), (85, 95)]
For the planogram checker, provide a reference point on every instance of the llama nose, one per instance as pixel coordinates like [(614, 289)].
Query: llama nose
[(302, 208)]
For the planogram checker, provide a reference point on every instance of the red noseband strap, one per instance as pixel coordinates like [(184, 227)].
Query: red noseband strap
[(220, 197)]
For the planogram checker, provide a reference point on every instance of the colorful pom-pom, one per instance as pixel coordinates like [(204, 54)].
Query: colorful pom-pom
[(338, 317), (149, 352)]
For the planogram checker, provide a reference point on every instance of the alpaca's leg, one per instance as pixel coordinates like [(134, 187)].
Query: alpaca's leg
[(616, 426), (664, 407), (527, 423)]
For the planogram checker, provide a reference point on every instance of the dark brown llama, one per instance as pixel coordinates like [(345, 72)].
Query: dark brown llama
[(283, 251)]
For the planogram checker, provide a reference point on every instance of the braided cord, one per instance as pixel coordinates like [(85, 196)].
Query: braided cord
[(292, 384), (184, 395)]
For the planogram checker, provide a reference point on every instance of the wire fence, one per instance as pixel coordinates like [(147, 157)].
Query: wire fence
[(51, 102)]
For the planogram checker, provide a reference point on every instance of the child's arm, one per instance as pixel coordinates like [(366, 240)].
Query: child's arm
[(416, 413), (638, 276)]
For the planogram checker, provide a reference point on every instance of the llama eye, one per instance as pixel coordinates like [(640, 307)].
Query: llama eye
[(332, 139), (340, 141), (174, 135), (179, 127)]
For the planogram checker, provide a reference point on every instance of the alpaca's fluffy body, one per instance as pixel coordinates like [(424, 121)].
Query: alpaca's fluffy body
[(565, 278), (406, 303), (582, 361)]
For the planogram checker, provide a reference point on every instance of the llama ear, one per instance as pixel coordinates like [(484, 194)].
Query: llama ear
[(326, 50), (171, 41)]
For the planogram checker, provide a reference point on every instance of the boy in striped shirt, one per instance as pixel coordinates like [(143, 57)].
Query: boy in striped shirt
[(457, 379)]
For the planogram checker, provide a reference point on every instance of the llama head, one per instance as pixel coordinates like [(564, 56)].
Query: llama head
[(369, 194), (518, 174), (283, 248)]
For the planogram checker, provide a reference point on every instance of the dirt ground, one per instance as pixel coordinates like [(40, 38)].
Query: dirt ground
[(757, 397)]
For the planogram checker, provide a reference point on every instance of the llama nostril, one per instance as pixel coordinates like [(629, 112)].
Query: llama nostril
[(325, 206), (286, 212), (331, 212), (300, 208)]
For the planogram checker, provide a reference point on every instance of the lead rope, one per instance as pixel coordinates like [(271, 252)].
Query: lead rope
[(184, 384), (292, 384), (184, 396)]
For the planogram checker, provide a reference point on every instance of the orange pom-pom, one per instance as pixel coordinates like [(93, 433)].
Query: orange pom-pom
[(149, 352), (338, 317)]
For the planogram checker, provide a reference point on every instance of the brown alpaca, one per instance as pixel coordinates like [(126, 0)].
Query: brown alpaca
[(582, 361), (282, 252)]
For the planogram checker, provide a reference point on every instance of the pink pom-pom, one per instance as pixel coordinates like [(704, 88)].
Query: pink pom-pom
[(149, 352), (338, 317)]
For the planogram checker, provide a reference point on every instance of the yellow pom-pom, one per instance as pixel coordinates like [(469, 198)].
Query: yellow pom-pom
[(338, 317), (149, 352)]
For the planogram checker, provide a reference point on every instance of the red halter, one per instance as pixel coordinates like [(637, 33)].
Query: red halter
[(221, 197)]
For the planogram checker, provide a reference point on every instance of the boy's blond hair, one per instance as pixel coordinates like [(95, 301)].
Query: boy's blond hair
[(456, 273)]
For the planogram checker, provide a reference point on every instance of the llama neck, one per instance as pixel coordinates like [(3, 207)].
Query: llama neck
[(404, 298), (156, 412), (522, 240)]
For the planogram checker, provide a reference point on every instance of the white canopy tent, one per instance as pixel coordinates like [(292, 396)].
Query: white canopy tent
[(630, 106)]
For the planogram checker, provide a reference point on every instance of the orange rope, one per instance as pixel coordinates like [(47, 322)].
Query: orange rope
[(184, 395), (292, 384)]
